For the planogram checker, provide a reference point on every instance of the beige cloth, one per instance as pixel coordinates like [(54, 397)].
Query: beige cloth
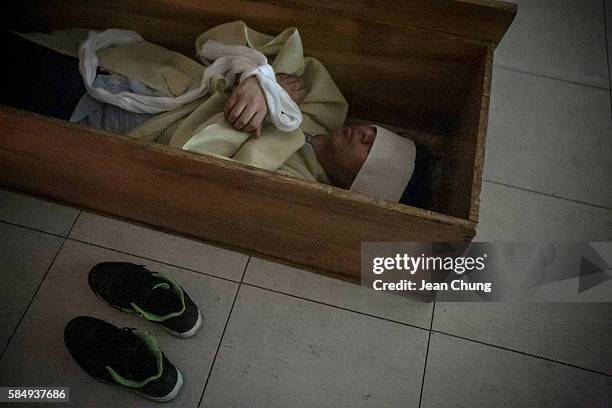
[(304, 164), (197, 126)]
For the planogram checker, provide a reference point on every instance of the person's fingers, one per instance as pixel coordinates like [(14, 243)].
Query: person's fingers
[(258, 120), (229, 105), (245, 117), (292, 79), (253, 122), (287, 81), (254, 132), (236, 111), (290, 85), (288, 88)]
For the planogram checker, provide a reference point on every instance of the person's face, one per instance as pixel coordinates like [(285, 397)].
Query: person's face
[(348, 148)]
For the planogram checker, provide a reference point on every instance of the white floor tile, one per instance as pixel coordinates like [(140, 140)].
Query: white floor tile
[(461, 373), (148, 243), (562, 39), (25, 256), (37, 355), (550, 136), (35, 213), (280, 351), (573, 333), (510, 214), (338, 293)]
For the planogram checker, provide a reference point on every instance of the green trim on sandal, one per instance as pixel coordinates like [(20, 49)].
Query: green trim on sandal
[(175, 287), (152, 346)]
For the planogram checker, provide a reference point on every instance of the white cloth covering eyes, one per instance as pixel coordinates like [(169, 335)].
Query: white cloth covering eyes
[(229, 61), (386, 171)]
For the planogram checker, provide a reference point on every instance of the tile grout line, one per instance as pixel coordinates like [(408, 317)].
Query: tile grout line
[(523, 353), (33, 297), (433, 311), (229, 315), (245, 268), (334, 306), (608, 55), (64, 238), (76, 219), (34, 229), (603, 207), (153, 260), (551, 77)]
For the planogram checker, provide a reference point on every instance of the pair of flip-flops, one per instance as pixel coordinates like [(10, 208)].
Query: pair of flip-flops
[(128, 356)]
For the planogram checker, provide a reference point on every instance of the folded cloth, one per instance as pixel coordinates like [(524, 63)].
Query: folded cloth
[(109, 117), (130, 101)]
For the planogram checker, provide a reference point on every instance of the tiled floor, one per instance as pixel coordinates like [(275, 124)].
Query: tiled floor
[(275, 336)]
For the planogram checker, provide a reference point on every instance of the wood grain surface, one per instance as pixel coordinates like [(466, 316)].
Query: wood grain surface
[(254, 211)]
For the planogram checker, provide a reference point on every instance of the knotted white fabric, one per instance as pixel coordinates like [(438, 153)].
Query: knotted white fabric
[(388, 168), (133, 102), (229, 61)]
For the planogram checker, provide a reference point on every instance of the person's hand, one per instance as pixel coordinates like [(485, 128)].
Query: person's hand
[(294, 85), (246, 108)]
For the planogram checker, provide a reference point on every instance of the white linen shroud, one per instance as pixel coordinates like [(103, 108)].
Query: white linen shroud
[(229, 61)]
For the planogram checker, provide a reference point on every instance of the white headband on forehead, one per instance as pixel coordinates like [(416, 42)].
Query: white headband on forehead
[(388, 168)]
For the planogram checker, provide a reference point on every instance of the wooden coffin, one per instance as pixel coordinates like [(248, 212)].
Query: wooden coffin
[(421, 67)]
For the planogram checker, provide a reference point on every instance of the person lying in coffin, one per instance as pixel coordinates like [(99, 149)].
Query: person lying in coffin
[(367, 158), (237, 124)]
